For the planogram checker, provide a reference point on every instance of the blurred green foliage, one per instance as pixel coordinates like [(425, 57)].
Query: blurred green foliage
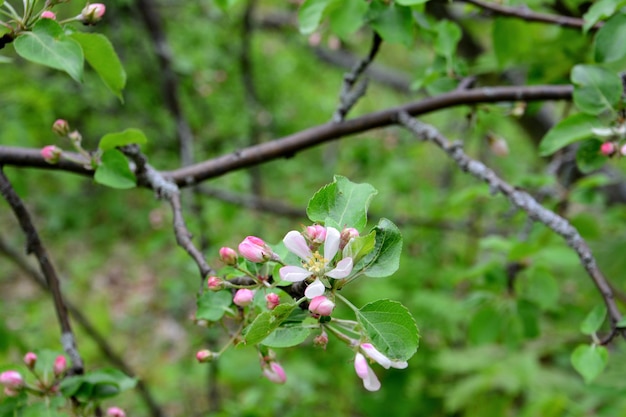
[(494, 342)]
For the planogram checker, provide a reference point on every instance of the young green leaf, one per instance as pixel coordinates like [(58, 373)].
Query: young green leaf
[(391, 328), (310, 15), (589, 361), (127, 137), (114, 171), (588, 156), (100, 54), (411, 2), (384, 260), (341, 204), (610, 40), (448, 37), (346, 16), (48, 45), (212, 305), (393, 22), (572, 129), (287, 336), (594, 320), (265, 323), (596, 89), (600, 10)]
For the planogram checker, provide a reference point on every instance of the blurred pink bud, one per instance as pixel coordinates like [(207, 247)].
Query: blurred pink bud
[(61, 127), (623, 150), (115, 412), (274, 372), (321, 340), (607, 148), (205, 355), (11, 379), (321, 305), (255, 249), (75, 136), (346, 235), (272, 300), (30, 359), (316, 233), (92, 13), (215, 283), (243, 297), (48, 15), (51, 154), (228, 256), (60, 365)]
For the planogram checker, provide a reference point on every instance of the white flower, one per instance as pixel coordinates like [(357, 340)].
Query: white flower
[(314, 264), (363, 370), (375, 355)]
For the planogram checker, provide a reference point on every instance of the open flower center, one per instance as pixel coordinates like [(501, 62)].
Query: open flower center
[(316, 264)]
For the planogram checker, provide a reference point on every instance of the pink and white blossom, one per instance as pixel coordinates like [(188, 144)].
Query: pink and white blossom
[(363, 370), (321, 305), (274, 372), (272, 300), (30, 359), (243, 297), (314, 265), (375, 355), (115, 412), (59, 366), (11, 379), (48, 14), (228, 256), (92, 13), (255, 249)]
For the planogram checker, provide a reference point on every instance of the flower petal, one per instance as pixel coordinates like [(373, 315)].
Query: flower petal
[(363, 370), (331, 244), (399, 364), (375, 355), (294, 273), (295, 242), (342, 270), (316, 288)]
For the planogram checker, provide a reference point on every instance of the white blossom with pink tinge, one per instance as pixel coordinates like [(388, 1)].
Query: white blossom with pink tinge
[(314, 264), (363, 370)]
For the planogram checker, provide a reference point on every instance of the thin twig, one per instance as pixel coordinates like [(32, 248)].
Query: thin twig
[(523, 201), (151, 178), (529, 15), (351, 93), (100, 340), (36, 247)]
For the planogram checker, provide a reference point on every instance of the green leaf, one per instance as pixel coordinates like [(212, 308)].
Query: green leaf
[(287, 336), (594, 320), (341, 204), (590, 361), (485, 326), (588, 156), (360, 246), (265, 323), (507, 34), (97, 385), (391, 328), (212, 305), (114, 171), (225, 4), (539, 286), (127, 137), (610, 40), (572, 129), (393, 22), (448, 37), (621, 324), (346, 16), (411, 2), (384, 260), (48, 45), (596, 89), (310, 15), (600, 10), (102, 57)]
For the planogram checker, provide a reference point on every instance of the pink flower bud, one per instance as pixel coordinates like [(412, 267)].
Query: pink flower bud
[(60, 365), (321, 305), (321, 340), (228, 256), (205, 355), (11, 379), (607, 148), (51, 154), (623, 150), (115, 412), (61, 127), (48, 14), (92, 13), (347, 234), (30, 359), (274, 372), (255, 249), (215, 283), (272, 300), (75, 136), (316, 233), (243, 297)]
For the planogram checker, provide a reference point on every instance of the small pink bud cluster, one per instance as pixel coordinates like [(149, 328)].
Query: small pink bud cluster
[(243, 297), (272, 300), (607, 148), (92, 13), (321, 306), (321, 340), (12, 382), (48, 14), (30, 359), (115, 412), (51, 154), (214, 283), (205, 355), (274, 372), (347, 234), (256, 250), (59, 366), (60, 127), (315, 234), (228, 256)]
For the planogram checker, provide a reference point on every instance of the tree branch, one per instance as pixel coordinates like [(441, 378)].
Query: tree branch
[(523, 201), (36, 247)]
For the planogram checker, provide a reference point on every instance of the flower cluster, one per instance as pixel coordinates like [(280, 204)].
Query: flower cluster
[(615, 136)]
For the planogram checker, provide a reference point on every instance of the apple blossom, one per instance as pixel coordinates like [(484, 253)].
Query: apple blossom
[(347, 235), (60, 365), (214, 283), (30, 359), (115, 412), (243, 297), (48, 14), (228, 256), (92, 13), (363, 370), (315, 265), (321, 305), (607, 148), (255, 249), (274, 372), (11, 379), (51, 154), (272, 300), (374, 354), (205, 355)]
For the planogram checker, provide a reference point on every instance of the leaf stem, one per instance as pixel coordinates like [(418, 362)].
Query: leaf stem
[(347, 302)]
